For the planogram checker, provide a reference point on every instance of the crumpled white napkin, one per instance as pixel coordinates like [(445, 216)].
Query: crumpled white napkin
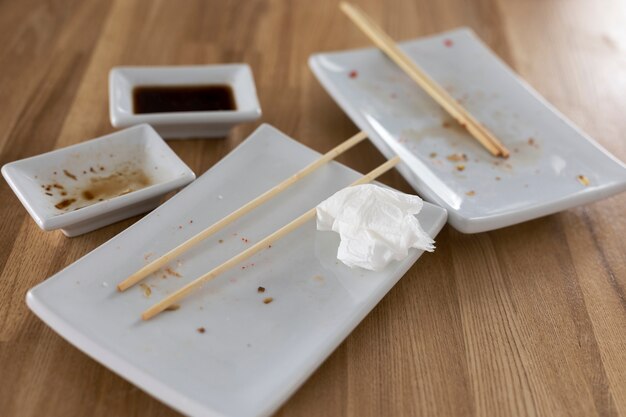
[(376, 225)]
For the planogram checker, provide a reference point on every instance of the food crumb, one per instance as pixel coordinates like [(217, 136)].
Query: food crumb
[(353, 74), (448, 43), (460, 167), (471, 193), (267, 300), (244, 240), (260, 289), (147, 256), (583, 180), (147, 291), (173, 307), (69, 174), (433, 154), (457, 157), (221, 241), (201, 330), (531, 141), (47, 193), (170, 271)]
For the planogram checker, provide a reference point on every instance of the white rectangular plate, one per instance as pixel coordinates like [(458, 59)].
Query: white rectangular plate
[(252, 355), (548, 153)]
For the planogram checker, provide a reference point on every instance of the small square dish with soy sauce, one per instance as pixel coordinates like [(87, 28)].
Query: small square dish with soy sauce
[(180, 102)]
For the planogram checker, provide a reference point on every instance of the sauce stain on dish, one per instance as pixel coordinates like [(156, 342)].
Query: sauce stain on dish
[(114, 185), (96, 188), (69, 174), (63, 204)]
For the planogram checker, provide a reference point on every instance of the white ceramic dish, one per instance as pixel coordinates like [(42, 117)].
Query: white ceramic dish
[(180, 125), (41, 182), (548, 152), (252, 356)]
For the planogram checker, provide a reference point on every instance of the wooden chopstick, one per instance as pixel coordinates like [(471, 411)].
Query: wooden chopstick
[(264, 243), (220, 224), (439, 94)]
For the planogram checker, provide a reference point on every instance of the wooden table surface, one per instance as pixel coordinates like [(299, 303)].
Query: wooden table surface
[(527, 320)]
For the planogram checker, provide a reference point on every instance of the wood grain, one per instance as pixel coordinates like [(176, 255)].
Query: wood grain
[(528, 320)]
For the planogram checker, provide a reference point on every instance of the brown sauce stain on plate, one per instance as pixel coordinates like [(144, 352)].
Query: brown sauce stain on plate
[(114, 185), (65, 203), (96, 188)]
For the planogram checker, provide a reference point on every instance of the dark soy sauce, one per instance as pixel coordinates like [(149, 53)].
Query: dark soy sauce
[(166, 99)]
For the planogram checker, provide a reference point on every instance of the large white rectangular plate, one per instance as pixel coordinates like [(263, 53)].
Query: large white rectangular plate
[(251, 356), (548, 153)]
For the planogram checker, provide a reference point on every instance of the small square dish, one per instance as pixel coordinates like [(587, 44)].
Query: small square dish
[(86, 186), (553, 165), (186, 121), (242, 344)]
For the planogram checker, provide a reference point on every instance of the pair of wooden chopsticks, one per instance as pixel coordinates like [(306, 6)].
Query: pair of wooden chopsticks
[(439, 94), (388, 46), (264, 243)]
